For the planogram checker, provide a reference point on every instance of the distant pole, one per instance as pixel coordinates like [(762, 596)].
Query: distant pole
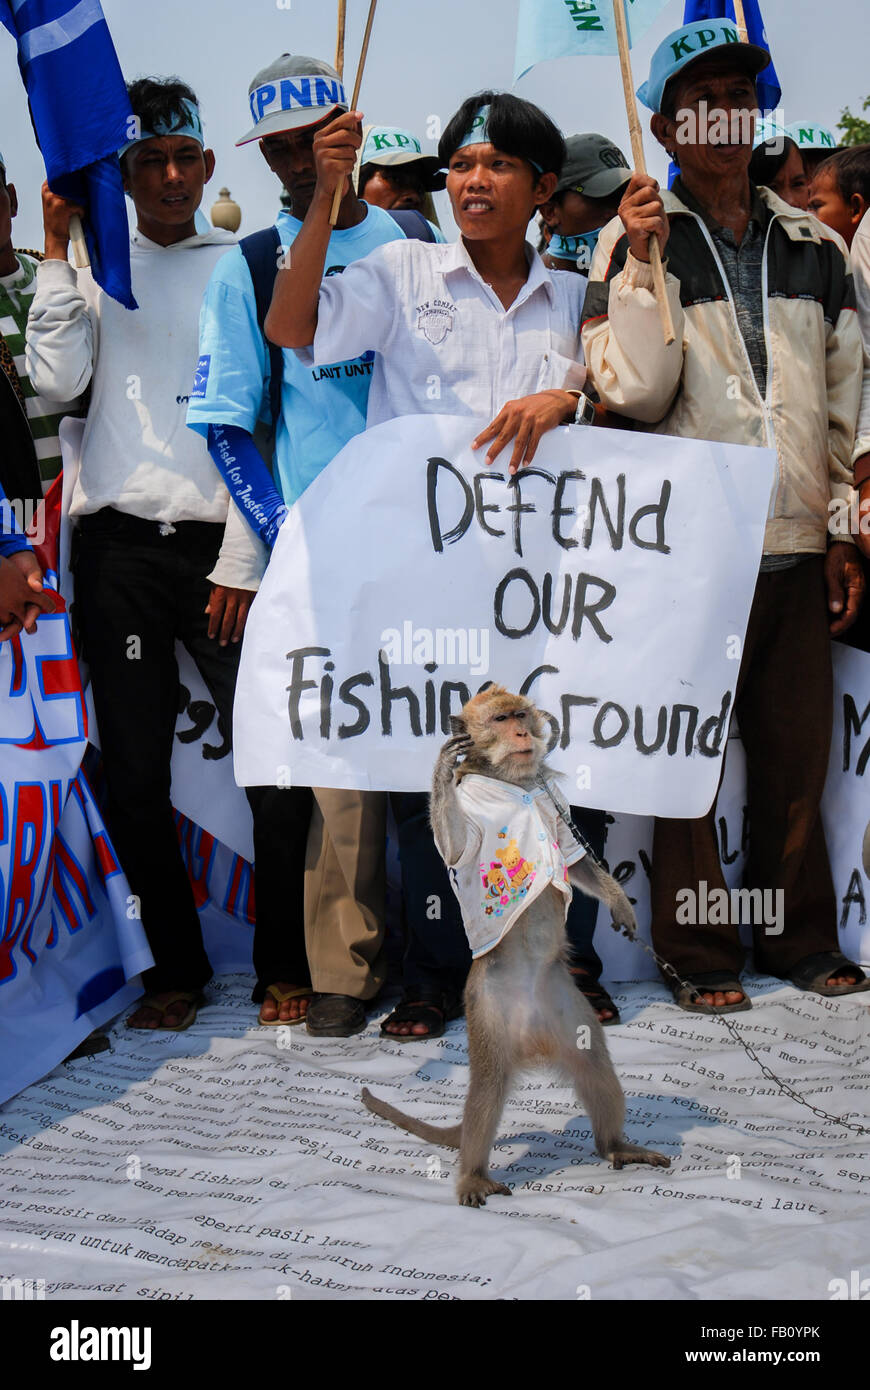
[(339, 43)]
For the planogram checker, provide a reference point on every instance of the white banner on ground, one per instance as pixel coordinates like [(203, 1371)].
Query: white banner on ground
[(612, 580)]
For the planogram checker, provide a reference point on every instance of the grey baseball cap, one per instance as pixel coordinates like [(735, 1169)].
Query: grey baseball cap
[(593, 166), (291, 93)]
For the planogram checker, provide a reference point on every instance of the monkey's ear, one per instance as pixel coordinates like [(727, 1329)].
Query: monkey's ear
[(457, 724)]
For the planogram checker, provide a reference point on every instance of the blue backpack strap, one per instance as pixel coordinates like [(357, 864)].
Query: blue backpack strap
[(412, 223), (260, 250)]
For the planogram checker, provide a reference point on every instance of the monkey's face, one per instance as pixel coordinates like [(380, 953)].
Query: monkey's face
[(514, 743), (508, 736)]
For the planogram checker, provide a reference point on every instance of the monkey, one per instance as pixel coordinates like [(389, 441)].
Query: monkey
[(521, 1004)]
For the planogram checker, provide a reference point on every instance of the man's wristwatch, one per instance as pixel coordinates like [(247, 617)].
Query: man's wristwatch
[(585, 412)]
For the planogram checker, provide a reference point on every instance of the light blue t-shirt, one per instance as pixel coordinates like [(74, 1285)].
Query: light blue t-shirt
[(321, 407)]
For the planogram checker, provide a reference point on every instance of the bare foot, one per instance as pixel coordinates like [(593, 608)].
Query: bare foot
[(834, 981), (718, 999), (398, 1028), (289, 1010), (148, 1018)]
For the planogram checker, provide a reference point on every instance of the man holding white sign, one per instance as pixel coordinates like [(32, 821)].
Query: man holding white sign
[(767, 353)]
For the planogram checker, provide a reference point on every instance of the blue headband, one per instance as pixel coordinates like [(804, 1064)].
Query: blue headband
[(478, 133), (187, 122)]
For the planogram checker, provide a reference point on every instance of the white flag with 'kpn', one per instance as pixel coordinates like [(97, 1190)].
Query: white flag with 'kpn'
[(575, 28)]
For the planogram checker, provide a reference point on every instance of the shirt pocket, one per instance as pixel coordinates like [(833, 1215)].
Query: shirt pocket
[(558, 372)]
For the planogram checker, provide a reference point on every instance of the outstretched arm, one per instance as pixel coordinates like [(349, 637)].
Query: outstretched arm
[(591, 878)]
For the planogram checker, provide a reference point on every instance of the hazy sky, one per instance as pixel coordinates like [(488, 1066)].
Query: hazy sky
[(425, 57)]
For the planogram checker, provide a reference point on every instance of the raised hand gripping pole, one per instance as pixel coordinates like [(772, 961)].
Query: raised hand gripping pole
[(339, 192), (639, 161)]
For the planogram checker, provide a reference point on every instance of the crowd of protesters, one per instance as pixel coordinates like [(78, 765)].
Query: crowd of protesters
[(206, 421)]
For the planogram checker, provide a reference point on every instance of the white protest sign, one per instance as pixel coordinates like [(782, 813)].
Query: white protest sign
[(611, 581)]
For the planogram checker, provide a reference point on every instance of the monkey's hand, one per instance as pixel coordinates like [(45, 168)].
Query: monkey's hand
[(623, 916), (453, 750)]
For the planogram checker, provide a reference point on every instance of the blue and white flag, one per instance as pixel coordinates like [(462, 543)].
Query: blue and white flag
[(81, 114), (767, 82), (575, 28)]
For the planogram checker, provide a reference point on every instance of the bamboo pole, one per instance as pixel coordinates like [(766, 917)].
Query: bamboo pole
[(81, 259), (339, 192), (639, 160), (740, 17), (339, 42)]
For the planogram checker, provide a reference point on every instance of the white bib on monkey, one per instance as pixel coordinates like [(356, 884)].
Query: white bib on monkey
[(516, 847)]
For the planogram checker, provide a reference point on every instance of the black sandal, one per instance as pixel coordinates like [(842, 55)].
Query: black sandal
[(813, 973), (709, 982), (595, 992), (433, 1013)]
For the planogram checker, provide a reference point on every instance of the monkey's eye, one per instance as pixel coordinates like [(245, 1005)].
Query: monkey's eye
[(500, 718), (520, 714)]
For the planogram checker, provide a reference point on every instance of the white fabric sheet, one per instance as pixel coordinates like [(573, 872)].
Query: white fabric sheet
[(284, 1187)]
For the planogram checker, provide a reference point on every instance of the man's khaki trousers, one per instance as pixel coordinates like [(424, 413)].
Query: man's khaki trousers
[(344, 892)]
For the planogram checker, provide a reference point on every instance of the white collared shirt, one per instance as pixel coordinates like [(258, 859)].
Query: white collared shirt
[(443, 339), (516, 847)]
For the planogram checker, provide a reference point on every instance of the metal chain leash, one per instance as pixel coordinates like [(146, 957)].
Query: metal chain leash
[(668, 969)]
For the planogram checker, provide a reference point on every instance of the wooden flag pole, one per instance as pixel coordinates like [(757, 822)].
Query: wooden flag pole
[(639, 159), (740, 16), (339, 43), (81, 259), (339, 192)]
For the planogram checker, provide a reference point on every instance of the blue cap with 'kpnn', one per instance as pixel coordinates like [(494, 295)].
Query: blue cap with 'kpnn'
[(694, 41), (291, 93)]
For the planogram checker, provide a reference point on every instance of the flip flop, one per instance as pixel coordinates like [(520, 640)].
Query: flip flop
[(595, 993), (280, 996), (193, 998), (709, 982), (813, 972), (429, 1011)]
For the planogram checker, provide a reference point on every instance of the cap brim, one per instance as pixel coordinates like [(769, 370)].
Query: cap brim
[(281, 121), (601, 185), (430, 168)]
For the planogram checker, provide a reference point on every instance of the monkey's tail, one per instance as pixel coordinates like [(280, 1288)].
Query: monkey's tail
[(449, 1136)]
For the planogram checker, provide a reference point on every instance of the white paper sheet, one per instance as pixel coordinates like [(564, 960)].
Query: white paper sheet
[(301, 1194)]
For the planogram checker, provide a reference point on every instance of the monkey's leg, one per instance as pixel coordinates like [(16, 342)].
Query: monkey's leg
[(490, 1078), (583, 1051)]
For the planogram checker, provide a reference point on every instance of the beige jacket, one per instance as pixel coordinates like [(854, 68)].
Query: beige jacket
[(703, 386)]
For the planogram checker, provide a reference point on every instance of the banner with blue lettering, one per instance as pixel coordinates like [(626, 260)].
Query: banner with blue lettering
[(575, 28), (71, 944)]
